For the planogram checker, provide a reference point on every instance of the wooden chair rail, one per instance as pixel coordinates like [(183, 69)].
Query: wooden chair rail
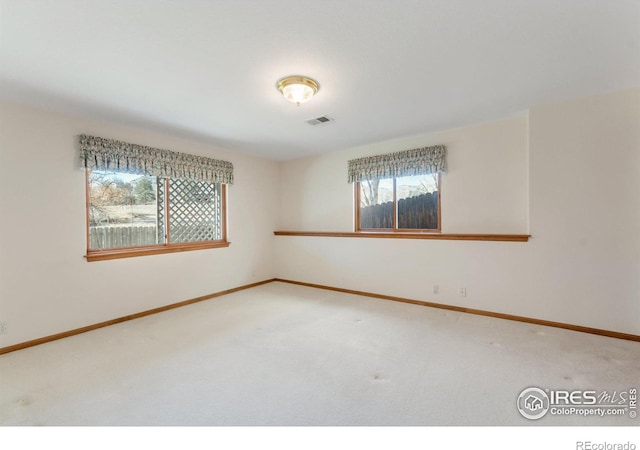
[(409, 235)]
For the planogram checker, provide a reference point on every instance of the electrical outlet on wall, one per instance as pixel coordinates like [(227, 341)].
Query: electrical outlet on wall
[(4, 327), (463, 292), (436, 289)]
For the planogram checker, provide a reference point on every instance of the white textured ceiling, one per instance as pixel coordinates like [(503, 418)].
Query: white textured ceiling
[(387, 68)]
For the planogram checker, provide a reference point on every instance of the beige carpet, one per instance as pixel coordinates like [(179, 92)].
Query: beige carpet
[(281, 354)]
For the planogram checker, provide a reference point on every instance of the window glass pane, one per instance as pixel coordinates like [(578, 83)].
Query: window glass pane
[(195, 211), (122, 210), (417, 199), (376, 204)]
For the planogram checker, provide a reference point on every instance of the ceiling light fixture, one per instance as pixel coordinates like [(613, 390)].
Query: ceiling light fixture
[(298, 89)]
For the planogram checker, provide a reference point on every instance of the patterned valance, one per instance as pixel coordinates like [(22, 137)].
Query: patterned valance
[(108, 154), (419, 161)]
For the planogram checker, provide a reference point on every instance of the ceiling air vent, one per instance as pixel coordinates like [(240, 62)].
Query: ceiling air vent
[(319, 120)]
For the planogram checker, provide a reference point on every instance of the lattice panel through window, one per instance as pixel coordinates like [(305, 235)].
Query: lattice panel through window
[(195, 211)]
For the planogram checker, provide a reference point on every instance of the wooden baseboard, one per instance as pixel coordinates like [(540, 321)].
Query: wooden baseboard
[(65, 334), (479, 312)]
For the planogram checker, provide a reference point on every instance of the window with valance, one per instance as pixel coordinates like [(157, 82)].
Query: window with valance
[(399, 191), (143, 200)]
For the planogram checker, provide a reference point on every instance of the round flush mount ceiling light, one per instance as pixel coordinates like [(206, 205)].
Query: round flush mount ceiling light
[(298, 89)]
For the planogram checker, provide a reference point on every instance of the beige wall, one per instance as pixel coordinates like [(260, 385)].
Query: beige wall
[(485, 189), (568, 174), (46, 286)]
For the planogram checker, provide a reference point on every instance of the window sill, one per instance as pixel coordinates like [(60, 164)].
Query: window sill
[(130, 252), (410, 235)]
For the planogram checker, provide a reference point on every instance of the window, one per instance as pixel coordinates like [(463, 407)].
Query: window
[(136, 211), (159, 202), (398, 191), (410, 203)]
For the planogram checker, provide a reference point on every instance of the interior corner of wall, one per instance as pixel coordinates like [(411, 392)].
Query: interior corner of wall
[(528, 163)]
